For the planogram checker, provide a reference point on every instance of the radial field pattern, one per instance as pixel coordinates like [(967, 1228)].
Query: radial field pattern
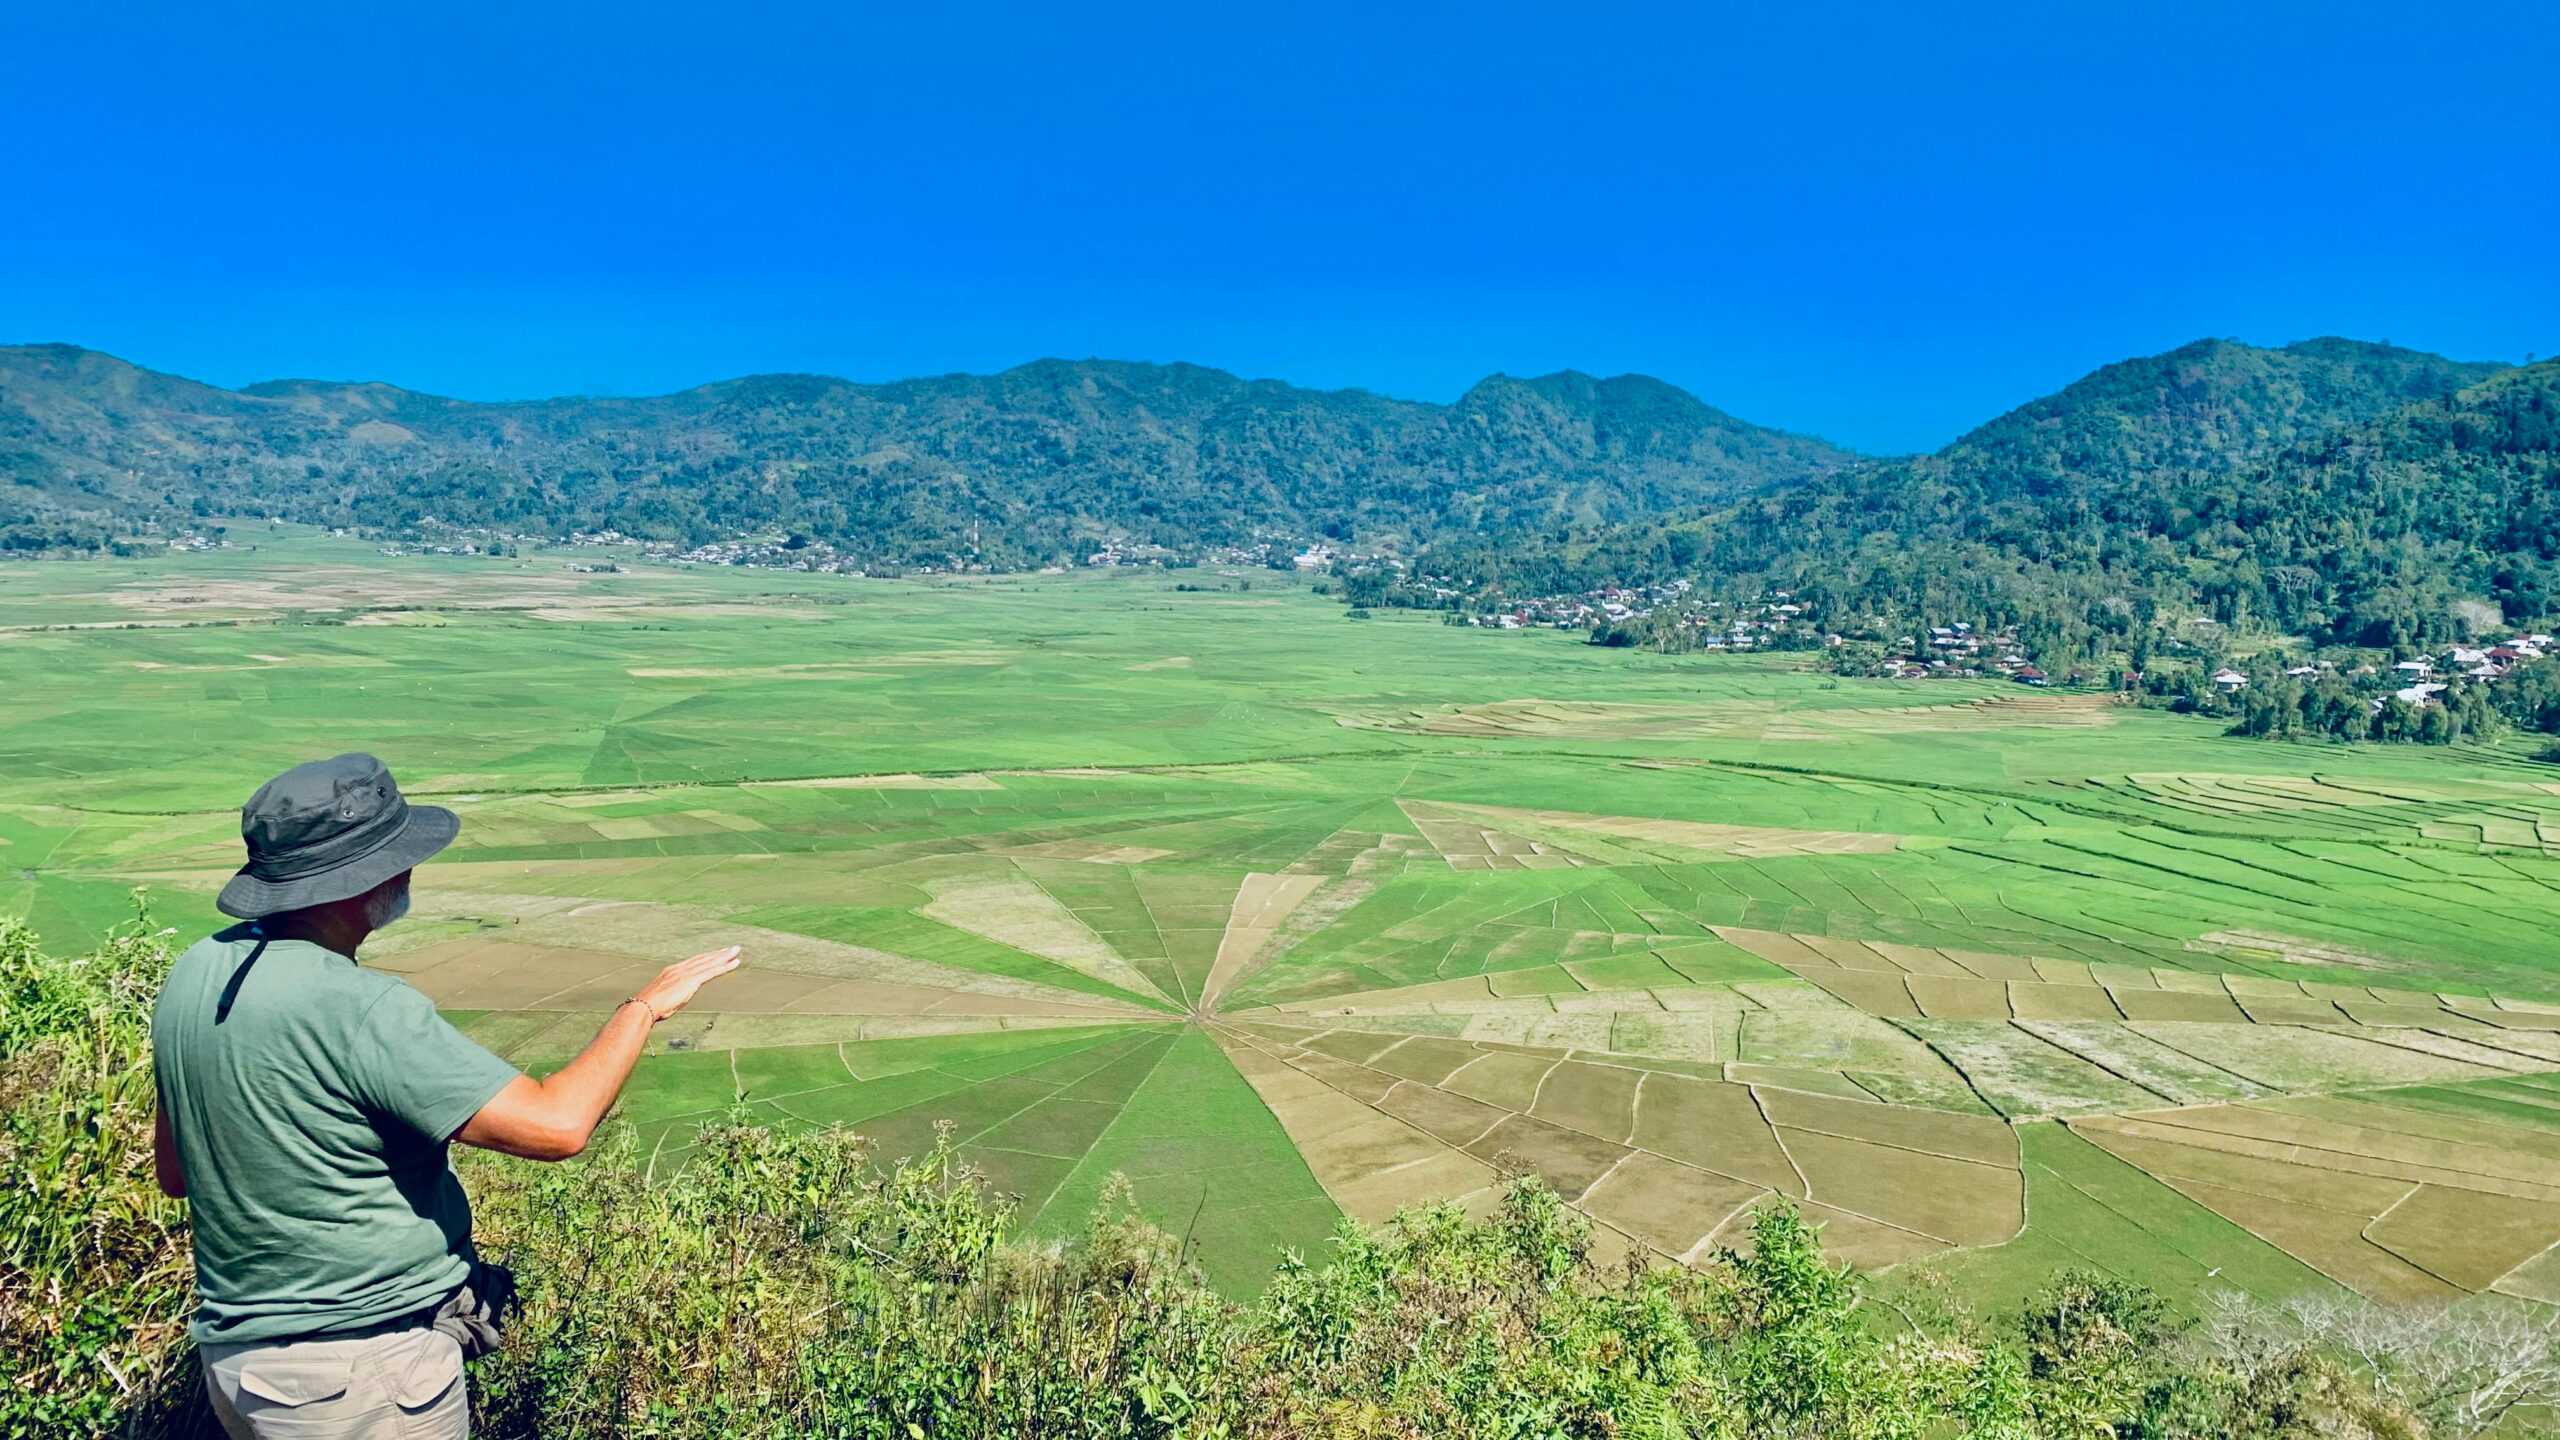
[(1329, 919)]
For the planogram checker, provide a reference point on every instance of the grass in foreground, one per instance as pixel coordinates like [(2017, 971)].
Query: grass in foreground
[(784, 1286)]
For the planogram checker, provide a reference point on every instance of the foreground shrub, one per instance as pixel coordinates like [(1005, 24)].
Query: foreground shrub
[(782, 1286), (778, 1285), (94, 1273)]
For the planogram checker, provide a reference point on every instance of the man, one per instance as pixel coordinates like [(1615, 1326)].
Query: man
[(305, 1110)]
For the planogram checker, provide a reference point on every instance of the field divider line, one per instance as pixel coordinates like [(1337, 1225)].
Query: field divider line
[(1186, 1001), (1118, 1117), (1603, 1177), (2100, 1065), (2366, 1234), (1907, 1149), (2381, 1031), (1053, 1094), (1804, 1181), (2536, 1255), (2542, 1064), (1538, 1091), (2275, 1091)]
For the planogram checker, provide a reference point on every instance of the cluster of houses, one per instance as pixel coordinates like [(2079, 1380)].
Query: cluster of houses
[(1128, 552), (2427, 675), (1719, 625), (1960, 651), (815, 556), (1610, 604)]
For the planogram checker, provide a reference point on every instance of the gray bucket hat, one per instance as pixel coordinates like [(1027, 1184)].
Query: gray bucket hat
[(326, 831)]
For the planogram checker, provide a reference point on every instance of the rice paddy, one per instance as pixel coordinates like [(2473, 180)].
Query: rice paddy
[(1284, 919)]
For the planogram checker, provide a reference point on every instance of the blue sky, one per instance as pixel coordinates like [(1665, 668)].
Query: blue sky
[(1880, 223)]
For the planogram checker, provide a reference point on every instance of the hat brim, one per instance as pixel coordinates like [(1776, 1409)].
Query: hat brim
[(428, 829)]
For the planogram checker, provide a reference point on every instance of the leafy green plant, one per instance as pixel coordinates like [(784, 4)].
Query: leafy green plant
[(94, 1273), (779, 1285)]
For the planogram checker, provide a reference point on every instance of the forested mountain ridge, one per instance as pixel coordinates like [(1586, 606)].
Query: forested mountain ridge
[(1038, 462), (2206, 407), (2349, 492)]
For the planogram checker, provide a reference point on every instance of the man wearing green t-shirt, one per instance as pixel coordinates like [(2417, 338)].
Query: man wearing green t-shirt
[(305, 1109)]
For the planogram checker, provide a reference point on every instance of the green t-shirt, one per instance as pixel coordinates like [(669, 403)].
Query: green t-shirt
[(312, 1123)]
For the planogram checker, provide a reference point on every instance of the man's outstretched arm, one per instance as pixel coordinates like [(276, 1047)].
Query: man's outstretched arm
[(551, 1118)]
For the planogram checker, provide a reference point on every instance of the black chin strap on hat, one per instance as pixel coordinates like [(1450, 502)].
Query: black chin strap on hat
[(231, 991)]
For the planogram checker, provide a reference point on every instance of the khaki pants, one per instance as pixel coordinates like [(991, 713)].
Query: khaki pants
[(406, 1385)]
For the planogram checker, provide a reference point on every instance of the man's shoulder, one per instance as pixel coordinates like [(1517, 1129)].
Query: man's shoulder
[(219, 945), (216, 954), (325, 984)]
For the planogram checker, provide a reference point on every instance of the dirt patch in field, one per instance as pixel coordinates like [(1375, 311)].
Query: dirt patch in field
[(1261, 912), (1597, 1100), (1368, 1162), (2394, 1214), (2481, 1160), (1560, 719), (1713, 1126), (1427, 1058), (2263, 946), (472, 974), (1357, 1047), (1451, 1119), (883, 782), (1006, 907), (1502, 1078), (2466, 1237), (1945, 997), (1090, 852), (1979, 1139), (1568, 1159), (2061, 1002), (1638, 839), (1832, 1040), (2024, 1076), (1670, 1206), (1885, 993), (2329, 1241), (2125, 1051), (1857, 1240), (2172, 1005), (1958, 1201), (2039, 711), (1471, 845), (2299, 1059)]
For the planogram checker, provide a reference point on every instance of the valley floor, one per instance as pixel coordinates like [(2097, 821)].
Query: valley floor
[(1284, 917)]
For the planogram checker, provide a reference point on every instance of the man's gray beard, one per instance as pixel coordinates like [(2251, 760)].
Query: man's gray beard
[(384, 906)]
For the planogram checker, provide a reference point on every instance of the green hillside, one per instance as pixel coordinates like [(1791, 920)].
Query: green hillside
[(2352, 494), (1033, 466)]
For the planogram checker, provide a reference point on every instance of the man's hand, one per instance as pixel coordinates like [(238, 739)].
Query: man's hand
[(551, 1119), (675, 986)]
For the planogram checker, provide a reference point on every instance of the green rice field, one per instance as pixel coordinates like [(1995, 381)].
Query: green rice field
[(1183, 877)]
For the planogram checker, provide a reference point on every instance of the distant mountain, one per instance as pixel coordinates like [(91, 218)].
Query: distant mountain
[(1040, 461), (2350, 492), (2205, 408)]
